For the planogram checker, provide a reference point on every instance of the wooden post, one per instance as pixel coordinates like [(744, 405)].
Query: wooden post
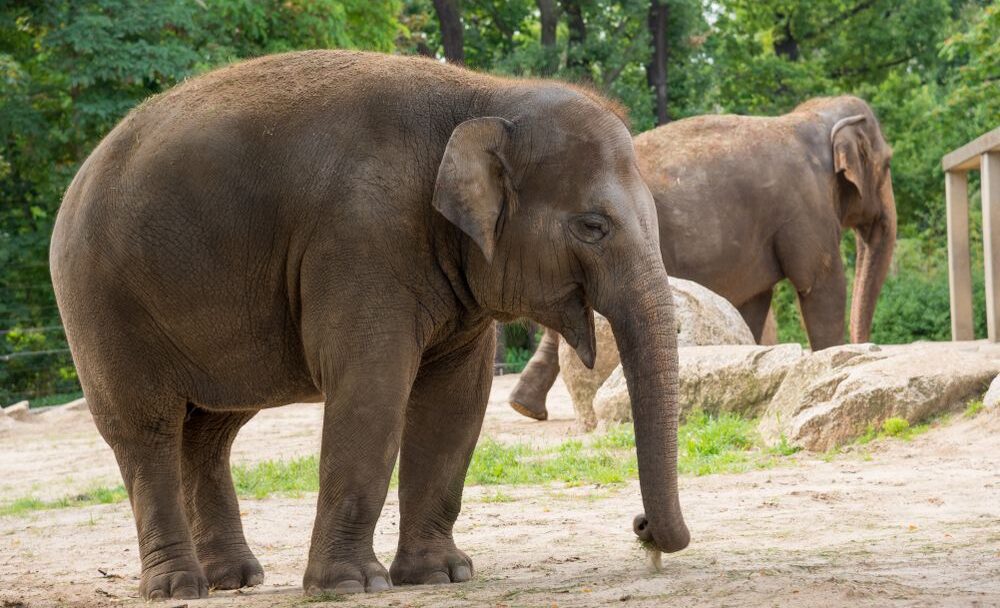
[(990, 174), (959, 267)]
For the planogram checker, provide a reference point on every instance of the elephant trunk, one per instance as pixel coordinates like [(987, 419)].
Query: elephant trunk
[(875, 243), (642, 320)]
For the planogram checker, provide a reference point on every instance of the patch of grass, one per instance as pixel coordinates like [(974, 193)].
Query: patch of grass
[(973, 408), (283, 477), (895, 427), (898, 428), (497, 497), (572, 462), (95, 496)]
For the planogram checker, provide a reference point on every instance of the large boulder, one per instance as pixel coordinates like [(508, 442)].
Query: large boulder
[(702, 316), (841, 393), (728, 378), (787, 401)]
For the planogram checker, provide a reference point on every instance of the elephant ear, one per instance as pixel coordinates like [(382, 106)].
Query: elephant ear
[(848, 150), (473, 182)]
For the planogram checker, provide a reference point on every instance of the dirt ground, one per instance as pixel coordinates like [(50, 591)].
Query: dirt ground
[(910, 523)]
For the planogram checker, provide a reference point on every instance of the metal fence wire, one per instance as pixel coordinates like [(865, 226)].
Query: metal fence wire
[(36, 366)]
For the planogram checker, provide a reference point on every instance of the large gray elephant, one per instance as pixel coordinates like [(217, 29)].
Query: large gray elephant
[(345, 227), (746, 201)]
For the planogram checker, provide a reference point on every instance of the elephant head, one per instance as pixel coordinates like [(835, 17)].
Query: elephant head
[(555, 222), (861, 159)]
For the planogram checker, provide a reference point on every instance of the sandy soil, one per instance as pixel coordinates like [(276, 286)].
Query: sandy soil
[(900, 523)]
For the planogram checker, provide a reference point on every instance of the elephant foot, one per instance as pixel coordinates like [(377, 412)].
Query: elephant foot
[(175, 579), (345, 577), (528, 397), (530, 410), (431, 566), (234, 574)]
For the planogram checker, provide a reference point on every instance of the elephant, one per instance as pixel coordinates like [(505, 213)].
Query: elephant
[(345, 228), (746, 201)]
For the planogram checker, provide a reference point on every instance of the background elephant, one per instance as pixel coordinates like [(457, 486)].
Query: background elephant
[(344, 227), (746, 201)]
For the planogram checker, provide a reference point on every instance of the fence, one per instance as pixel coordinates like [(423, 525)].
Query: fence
[(35, 365)]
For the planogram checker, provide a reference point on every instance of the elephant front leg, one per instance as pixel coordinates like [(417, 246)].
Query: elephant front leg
[(443, 421), (362, 425), (823, 306)]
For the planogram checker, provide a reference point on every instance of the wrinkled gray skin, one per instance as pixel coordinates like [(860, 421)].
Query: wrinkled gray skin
[(744, 202), (345, 227)]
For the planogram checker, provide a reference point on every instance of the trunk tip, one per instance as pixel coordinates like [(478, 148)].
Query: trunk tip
[(676, 539)]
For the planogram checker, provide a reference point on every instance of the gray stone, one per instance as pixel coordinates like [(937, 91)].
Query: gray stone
[(865, 389)]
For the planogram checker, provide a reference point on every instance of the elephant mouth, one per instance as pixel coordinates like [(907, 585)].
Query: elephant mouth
[(577, 327)]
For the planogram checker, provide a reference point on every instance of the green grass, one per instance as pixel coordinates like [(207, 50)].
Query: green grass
[(94, 496), (898, 428), (973, 408), (707, 444), (283, 477)]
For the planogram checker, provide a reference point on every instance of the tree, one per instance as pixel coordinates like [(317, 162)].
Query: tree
[(656, 70), (548, 12), (452, 33)]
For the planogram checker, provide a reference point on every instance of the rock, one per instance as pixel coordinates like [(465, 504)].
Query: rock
[(703, 317), (611, 402), (79, 405), (787, 400), (720, 378), (734, 378), (581, 382), (992, 397), (861, 389), (19, 411)]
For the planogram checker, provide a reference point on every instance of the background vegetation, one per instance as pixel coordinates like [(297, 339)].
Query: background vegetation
[(70, 69)]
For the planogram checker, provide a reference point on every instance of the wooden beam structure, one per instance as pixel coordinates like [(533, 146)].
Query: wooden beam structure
[(983, 153)]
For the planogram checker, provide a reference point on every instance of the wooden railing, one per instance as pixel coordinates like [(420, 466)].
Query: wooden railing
[(983, 154)]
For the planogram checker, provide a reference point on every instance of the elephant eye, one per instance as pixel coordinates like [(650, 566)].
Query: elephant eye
[(590, 227)]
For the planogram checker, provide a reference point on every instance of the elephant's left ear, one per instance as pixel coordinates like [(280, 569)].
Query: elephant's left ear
[(473, 182), (849, 143)]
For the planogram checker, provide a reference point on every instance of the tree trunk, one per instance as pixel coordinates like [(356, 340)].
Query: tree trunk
[(576, 59), (787, 46), (656, 70), (549, 11), (452, 36)]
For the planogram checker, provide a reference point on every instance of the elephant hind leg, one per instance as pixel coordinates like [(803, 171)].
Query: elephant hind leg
[(528, 397), (210, 499), (754, 312), (146, 439)]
